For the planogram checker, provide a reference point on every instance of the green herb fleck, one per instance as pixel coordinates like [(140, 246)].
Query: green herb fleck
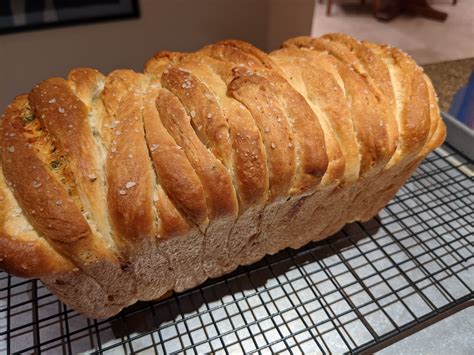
[(55, 164), (28, 117)]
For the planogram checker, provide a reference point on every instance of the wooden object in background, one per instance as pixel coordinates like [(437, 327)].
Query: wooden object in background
[(391, 9), (388, 10)]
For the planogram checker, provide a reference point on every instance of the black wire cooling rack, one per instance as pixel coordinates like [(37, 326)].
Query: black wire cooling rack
[(370, 284)]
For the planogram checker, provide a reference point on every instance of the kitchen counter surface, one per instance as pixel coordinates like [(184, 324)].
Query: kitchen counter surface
[(452, 335), (448, 78)]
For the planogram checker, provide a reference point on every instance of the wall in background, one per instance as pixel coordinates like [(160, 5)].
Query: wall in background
[(288, 18), (181, 25)]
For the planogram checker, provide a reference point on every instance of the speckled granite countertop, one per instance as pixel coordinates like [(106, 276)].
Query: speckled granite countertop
[(448, 77), (452, 335)]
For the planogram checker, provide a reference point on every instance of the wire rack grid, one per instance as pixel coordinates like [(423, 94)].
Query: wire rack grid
[(369, 283)]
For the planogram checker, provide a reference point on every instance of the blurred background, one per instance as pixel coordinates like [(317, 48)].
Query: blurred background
[(44, 38)]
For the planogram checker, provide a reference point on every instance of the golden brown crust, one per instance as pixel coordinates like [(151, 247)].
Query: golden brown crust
[(205, 114), (322, 90), (129, 175), (239, 60), (247, 163), (367, 64), (253, 91), (42, 198), (412, 101), (172, 223), (124, 187), (174, 172), (85, 82), (377, 141), (65, 118), (30, 258), (437, 134), (239, 52), (161, 61), (415, 115), (22, 251), (372, 70), (220, 193), (311, 160)]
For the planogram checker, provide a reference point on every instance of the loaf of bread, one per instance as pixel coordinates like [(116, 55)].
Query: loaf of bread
[(124, 187)]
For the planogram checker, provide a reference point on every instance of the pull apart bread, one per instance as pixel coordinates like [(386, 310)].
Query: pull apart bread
[(120, 188)]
